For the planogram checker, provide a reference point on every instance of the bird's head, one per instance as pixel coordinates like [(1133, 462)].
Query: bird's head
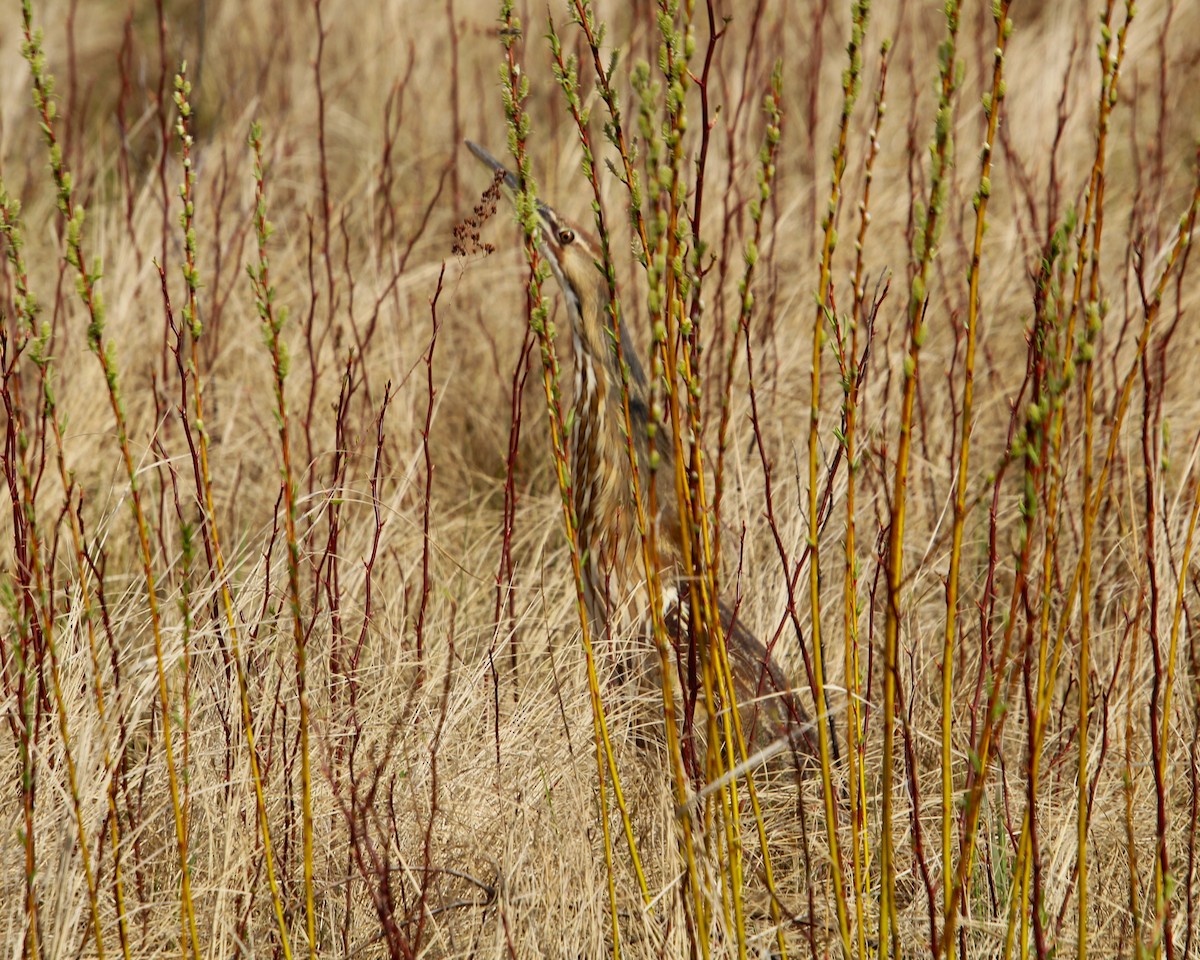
[(575, 258)]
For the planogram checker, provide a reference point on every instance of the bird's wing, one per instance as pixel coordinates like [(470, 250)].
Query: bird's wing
[(767, 703)]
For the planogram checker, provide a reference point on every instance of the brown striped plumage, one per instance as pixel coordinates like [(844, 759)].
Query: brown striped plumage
[(614, 575)]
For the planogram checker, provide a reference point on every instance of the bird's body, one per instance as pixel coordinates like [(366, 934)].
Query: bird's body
[(609, 541)]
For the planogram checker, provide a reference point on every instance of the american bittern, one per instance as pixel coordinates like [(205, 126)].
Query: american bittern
[(614, 575)]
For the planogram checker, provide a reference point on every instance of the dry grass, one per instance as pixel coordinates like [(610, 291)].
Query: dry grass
[(453, 786)]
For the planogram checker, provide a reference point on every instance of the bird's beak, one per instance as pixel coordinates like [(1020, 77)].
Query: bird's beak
[(511, 187), (510, 182)]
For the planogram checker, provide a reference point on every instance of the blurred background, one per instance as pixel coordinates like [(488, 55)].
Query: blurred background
[(455, 794)]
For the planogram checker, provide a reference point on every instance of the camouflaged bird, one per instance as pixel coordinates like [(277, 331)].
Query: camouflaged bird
[(614, 577)]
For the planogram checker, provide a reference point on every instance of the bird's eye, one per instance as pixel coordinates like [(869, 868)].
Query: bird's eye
[(566, 235)]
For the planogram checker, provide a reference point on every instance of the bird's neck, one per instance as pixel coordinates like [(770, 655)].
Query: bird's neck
[(600, 493), (591, 408), (598, 457)]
